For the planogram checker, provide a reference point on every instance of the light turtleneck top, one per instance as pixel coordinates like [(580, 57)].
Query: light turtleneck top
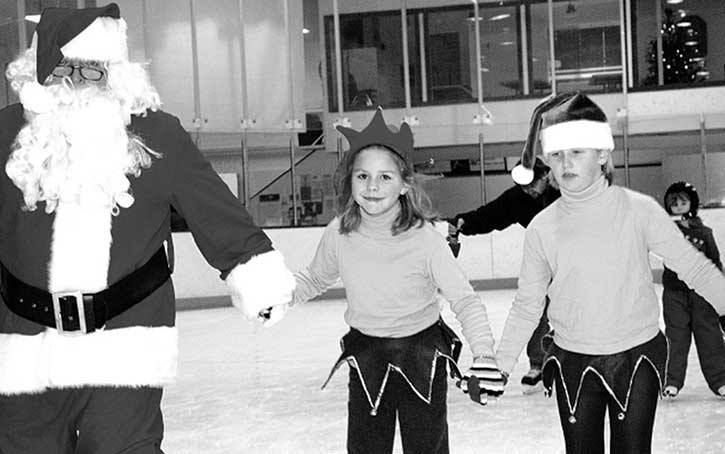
[(392, 281), (589, 251)]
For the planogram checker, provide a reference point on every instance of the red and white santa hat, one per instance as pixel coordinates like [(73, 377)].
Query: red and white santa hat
[(82, 34), (563, 122)]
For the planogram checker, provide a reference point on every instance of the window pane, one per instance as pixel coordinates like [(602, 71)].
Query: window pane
[(450, 52), (690, 50), (587, 46), (538, 45), (372, 60), (499, 52)]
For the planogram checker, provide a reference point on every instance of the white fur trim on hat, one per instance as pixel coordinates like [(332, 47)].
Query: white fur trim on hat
[(35, 98), (577, 134), (264, 281), (136, 356), (104, 40)]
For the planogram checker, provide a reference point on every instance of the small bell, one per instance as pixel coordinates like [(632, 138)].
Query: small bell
[(620, 416), (572, 419), (374, 412)]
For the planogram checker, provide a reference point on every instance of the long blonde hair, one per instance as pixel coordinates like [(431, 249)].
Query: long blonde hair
[(416, 207)]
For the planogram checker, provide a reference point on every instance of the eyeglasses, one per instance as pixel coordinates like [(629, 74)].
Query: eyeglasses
[(89, 73)]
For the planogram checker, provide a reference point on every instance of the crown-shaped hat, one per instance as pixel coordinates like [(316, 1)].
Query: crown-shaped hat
[(378, 133), (565, 121), (87, 33)]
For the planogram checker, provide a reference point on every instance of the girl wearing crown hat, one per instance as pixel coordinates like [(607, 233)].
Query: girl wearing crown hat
[(392, 263), (685, 312), (589, 251)]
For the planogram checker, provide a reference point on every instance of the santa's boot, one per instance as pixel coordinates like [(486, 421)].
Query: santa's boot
[(531, 382)]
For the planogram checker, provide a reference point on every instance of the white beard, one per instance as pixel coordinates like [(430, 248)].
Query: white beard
[(77, 152), (76, 158)]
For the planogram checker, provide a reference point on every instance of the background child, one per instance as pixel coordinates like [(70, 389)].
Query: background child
[(685, 312), (393, 263), (516, 205), (589, 250)]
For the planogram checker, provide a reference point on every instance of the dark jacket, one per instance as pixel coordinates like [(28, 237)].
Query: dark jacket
[(514, 206), (701, 237), (222, 229)]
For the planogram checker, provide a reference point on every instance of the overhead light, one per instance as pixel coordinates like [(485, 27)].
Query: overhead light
[(507, 43), (305, 30), (684, 24), (674, 2), (472, 17), (691, 43), (698, 58), (35, 18), (500, 17), (703, 73)]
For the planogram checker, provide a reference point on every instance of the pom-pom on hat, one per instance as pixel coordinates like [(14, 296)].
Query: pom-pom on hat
[(562, 122), (84, 34), (378, 133)]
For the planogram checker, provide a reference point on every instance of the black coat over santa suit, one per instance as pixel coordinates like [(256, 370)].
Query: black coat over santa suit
[(137, 347)]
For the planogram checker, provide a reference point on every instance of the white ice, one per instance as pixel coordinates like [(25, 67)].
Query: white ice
[(243, 388)]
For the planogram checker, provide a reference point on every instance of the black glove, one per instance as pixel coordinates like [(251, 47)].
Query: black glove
[(482, 380)]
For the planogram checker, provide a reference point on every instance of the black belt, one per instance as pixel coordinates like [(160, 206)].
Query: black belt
[(80, 313)]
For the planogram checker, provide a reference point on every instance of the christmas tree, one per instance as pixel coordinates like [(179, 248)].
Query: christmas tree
[(684, 47)]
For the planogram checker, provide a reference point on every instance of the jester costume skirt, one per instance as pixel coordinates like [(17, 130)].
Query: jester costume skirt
[(616, 371), (413, 357)]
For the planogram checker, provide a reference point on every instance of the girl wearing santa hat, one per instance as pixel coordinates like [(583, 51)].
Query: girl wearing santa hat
[(589, 251)]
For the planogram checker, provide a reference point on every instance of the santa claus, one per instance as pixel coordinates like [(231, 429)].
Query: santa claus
[(92, 169)]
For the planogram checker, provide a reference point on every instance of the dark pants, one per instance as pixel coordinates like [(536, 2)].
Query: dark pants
[(533, 348), (82, 421), (633, 434), (423, 427), (686, 314)]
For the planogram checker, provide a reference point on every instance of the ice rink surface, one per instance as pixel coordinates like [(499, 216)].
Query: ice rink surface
[(247, 389)]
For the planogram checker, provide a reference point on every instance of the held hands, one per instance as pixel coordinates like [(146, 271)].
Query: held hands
[(272, 315), (483, 380)]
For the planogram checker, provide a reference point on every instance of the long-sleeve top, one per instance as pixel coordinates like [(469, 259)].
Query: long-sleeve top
[(589, 251), (392, 281), (513, 206), (703, 240)]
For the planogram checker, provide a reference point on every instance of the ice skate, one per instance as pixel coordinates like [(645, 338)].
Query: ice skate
[(531, 382)]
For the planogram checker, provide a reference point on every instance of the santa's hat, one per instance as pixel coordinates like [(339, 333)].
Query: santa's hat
[(562, 122), (378, 133), (84, 34)]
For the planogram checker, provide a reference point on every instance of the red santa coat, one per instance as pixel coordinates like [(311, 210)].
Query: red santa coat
[(86, 252)]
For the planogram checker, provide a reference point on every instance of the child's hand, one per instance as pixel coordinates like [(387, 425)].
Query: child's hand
[(271, 315), (483, 380)]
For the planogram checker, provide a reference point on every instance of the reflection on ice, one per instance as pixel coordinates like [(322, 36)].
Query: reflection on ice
[(247, 389)]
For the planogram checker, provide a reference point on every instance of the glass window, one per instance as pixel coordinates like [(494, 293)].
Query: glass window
[(587, 46), (682, 45), (372, 60), (449, 52), (538, 49), (500, 50)]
